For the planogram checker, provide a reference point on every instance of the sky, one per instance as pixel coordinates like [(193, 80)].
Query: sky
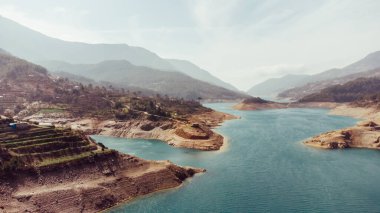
[(243, 42)]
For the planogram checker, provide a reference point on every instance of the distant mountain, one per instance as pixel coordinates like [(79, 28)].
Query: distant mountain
[(355, 90), (369, 62), (365, 67), (124, 74), (36, 47), (273, 86), (196, 72), (87, 81), (315, 87)]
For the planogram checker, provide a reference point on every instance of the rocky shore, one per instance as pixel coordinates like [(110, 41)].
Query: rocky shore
[(89, 186), (277, 105), (195, 133), (366, 134)]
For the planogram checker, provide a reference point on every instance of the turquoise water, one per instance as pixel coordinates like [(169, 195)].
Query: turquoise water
[(265, 168)]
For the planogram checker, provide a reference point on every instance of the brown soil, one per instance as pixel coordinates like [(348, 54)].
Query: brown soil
[(90, 187), (366, 134), (174, 132)]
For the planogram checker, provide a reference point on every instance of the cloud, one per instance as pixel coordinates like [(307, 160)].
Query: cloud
[(241, 41)]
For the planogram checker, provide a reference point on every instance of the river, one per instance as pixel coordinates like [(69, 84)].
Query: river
[(265, 168)]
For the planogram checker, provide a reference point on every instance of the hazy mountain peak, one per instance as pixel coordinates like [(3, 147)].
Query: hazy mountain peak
[(36, 47), (272, 86), (366, 67), (198, 73), (32, 45)]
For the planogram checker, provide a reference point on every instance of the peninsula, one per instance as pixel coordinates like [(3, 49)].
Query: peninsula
[(46, 169)]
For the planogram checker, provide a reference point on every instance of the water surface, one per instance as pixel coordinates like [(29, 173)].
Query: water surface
[(265, 168)]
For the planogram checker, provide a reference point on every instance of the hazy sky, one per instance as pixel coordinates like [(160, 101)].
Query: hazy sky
[(241, 42)]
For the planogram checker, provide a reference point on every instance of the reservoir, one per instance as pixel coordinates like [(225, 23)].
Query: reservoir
[(264, 167)]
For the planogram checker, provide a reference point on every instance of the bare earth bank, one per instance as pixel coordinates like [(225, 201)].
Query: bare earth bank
[(89, 186), (196, 133), (366, 134), (276, 105)]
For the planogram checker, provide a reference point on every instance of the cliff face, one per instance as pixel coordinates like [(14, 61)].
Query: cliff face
[(89, 187)]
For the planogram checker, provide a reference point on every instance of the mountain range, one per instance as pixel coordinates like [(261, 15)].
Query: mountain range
[(39, 48), (273, 86), (297, 86), (360, 89), (122, 73)]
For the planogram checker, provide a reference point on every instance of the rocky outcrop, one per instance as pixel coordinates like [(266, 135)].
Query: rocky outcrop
[(195, 133), (90, 187), (354, 137), (366, 134)]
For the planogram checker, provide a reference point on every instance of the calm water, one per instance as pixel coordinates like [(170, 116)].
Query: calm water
[(266, 168)]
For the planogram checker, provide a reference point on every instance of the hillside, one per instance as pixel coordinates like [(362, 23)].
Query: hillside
[(357, 90), (315, 87), (31, 94), (273, 86), (23, 83), (124, 74), (36, 47), (366, 67), (371, 61)]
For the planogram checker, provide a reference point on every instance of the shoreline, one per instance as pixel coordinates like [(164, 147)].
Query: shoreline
[(94, 187), (199, 133), (155, 193), (87, 188), (364, 134), (277, 105)]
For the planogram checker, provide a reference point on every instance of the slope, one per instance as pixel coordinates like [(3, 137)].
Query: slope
[(122, 73)]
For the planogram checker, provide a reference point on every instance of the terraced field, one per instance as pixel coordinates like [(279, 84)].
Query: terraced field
[(37, 147)]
